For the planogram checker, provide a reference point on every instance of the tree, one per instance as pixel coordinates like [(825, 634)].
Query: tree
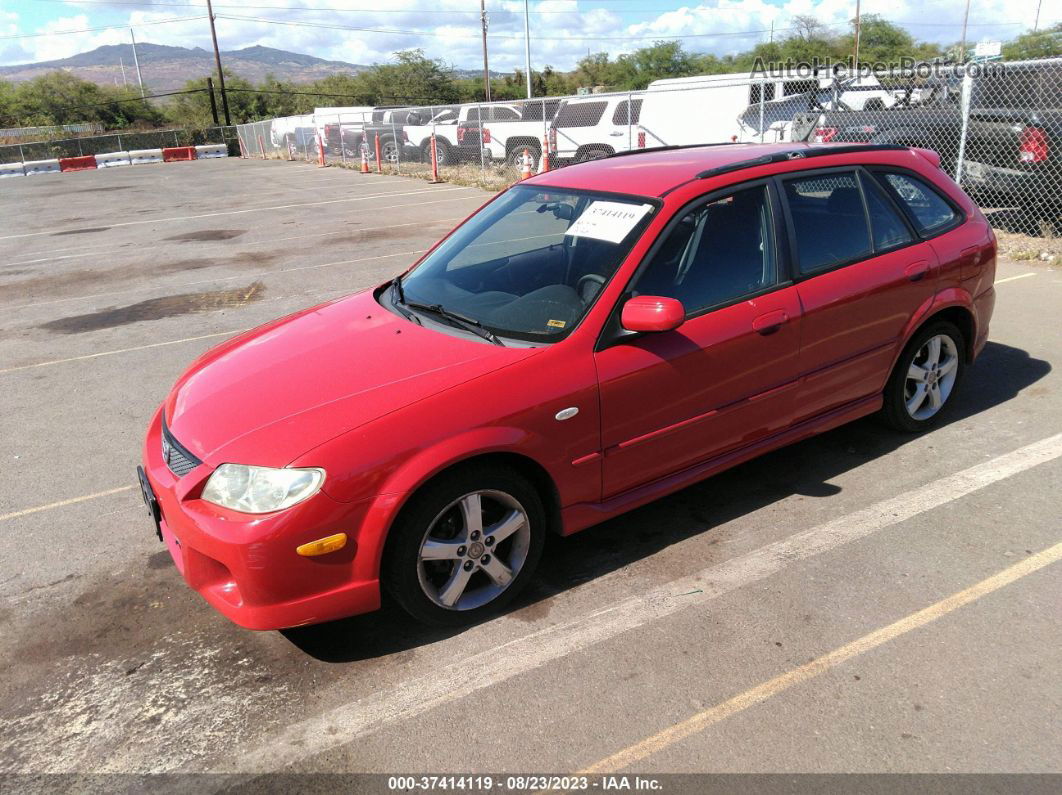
[(1035, 44)]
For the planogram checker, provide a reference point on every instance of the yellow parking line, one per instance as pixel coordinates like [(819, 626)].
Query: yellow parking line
[(121, 350), (757, 695), (62, 503), (1012, 278)]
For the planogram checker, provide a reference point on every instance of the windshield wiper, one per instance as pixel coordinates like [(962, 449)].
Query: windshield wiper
[(459, 320), (399, 299)]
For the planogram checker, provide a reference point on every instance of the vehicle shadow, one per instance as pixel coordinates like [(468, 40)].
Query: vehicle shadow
[(806, 468)]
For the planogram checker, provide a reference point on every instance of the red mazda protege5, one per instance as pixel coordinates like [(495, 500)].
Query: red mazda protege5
[(591, 339)]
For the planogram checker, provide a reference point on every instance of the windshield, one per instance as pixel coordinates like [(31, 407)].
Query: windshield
[(531, 263)]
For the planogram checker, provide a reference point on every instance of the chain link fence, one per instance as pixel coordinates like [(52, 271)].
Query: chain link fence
[(81, 146), (996, 126)]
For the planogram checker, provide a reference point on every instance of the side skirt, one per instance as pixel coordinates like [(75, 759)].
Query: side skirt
[(583, 515)]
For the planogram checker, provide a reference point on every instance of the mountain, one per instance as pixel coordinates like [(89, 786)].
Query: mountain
[(167, 68)]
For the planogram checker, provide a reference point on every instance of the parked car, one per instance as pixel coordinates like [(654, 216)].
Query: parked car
[(591, 339), (474, 133), (506, 139), (440, 120), (1013, 138), (297, 135), (595, 126), (387, 124), (340, 128)]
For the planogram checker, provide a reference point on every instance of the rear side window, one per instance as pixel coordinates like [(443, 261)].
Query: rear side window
[(929, 210), (828, 220), (501, 113), (886, 225), (580, 114), (619, 116)]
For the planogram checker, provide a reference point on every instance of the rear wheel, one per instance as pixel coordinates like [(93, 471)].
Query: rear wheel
[(515, 158), (443, 156), (389, 152), (925, 377), (465, 546)]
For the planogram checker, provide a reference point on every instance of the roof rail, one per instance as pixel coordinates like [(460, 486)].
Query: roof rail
[(668, 148), (798, 154)]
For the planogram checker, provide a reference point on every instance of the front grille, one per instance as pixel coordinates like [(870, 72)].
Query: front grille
[(176, 456)]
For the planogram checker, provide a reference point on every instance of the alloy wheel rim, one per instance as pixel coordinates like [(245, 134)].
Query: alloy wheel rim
[(931, 377), (473, 550)]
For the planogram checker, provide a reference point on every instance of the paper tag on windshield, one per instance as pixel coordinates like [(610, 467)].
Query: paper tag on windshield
[(609, 221)]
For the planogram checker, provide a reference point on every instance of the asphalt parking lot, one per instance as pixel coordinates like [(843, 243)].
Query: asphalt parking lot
[(860, 602)]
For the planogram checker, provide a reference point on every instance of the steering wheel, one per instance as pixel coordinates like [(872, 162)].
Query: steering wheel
[(583, 287)]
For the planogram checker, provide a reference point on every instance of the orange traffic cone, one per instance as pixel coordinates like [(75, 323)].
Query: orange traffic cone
[(364, 161), (543, 164), (525, 165)]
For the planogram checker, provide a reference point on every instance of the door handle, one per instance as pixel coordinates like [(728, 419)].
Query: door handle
[(770, 323), (916, 271), (616, 134)]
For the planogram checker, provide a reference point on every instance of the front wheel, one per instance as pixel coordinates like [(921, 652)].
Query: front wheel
[(465, 546), (925, 377), (515, 159)]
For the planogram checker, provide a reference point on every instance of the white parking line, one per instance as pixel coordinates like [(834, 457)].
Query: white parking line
[(121, 350), (348, 722), (141, 221), (1013, 278), (62, 503)]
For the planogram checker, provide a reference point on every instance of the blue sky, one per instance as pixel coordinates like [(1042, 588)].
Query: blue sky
[(562, 31)]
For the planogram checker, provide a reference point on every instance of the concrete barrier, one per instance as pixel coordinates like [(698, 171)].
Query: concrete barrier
[(41, 166), (111, 159), (12, 170), (204, 151), (139, 157), (175, 153), (84, 163)]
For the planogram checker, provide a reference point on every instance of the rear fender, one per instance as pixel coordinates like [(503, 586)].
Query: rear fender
[(945, 299)]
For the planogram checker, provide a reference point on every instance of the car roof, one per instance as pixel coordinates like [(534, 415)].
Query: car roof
[(655, 171)]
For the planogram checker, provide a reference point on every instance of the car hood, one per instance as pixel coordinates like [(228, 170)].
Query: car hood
[(272, 393)]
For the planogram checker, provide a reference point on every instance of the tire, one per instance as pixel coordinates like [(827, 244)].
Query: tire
[(514, 160), (445, 573), (907, 405), (389, 152), (293, 149), (442, 152)]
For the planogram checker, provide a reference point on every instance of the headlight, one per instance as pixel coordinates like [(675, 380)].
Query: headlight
[(260, 489)]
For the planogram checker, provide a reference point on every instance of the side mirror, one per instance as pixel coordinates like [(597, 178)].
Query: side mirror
[(652, 313)]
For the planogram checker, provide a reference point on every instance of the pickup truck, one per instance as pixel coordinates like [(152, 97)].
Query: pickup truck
[(502, 132), (1013, 149), (389, 125)]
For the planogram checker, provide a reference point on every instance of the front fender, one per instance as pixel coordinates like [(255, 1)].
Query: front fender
[(403, 480)]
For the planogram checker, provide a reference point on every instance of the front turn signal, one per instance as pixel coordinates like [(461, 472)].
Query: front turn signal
[(322, 546)]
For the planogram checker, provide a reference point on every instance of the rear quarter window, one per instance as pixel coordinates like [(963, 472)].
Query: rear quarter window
[(928, 209), (634, 109), (580, 114)]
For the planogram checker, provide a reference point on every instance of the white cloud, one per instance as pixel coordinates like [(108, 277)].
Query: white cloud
[(556, 33)]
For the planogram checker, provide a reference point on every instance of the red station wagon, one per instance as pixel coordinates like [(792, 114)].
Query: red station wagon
[(591, 339)]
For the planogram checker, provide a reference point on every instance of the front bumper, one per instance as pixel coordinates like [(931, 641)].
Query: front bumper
[(246, 566)]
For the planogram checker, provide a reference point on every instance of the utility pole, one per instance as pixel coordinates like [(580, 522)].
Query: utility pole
[(136, 60), (121, 63), (962, 44), (527, 48), (486, 70), (855, 51), (217, 60), (771, 40), (213, 103), (1036, 22)]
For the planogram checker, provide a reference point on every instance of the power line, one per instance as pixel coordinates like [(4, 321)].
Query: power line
[(94, 30)]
